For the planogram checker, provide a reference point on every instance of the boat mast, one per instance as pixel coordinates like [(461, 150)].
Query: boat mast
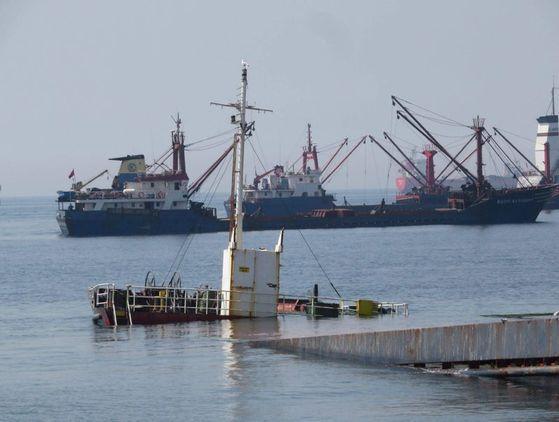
[(310, 152), (239, 161), (244, 130), (553, 99), (478, 128), (177, 140)]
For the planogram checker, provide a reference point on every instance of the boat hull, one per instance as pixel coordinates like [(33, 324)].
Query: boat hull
[(106, 318), (106, 223), (502, 207), (284, 207)]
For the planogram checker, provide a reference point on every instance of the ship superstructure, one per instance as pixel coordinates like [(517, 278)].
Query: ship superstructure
[(546, 154), (280, 193)]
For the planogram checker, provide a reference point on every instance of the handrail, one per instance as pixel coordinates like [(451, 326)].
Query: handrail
[(205, 300)]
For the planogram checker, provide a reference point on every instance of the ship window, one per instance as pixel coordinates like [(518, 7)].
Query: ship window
[(174, 203), (312, 180), (316, 194), (300, 179), (152, 184), (265, 193), (133, 205), (116, 205), (304, 194), (177, 185), (279, 194)]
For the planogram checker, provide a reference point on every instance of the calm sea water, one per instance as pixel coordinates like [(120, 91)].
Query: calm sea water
[(56, 365)]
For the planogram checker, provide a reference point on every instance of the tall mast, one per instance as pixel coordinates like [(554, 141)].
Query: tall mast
[(177, 138), (553, 98), (310, 151), (244, 129), (240, 161), (478, 128)]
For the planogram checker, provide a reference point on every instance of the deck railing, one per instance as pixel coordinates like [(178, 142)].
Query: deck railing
[(211, 301)]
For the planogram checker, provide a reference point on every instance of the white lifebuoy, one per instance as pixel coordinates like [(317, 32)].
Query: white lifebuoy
[(160, 194), (141, 194)]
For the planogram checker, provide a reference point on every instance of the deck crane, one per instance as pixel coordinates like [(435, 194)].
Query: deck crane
[(78, 186), (362, 141)]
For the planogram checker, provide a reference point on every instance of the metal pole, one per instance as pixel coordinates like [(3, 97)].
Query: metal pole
[(497, 131), (395, 160), (386, 136), (362, 141)]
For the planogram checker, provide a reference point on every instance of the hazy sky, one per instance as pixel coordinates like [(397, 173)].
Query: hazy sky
[(82, 81)]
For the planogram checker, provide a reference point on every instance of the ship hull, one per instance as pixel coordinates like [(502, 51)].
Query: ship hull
[(502, 207), (106, 223), (514, 206), (283, 207), (553, 202)]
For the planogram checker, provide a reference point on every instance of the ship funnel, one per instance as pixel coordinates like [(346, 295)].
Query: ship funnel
[(131, 167)]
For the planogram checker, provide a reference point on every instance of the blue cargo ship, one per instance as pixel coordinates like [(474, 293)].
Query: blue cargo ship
[(139, 202), (279, 193)]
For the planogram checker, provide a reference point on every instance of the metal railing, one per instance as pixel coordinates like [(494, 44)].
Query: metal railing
[(211, 301), (317, 305)]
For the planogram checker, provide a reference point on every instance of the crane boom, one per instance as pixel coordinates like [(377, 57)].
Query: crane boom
[(80, 185), (361, 141)]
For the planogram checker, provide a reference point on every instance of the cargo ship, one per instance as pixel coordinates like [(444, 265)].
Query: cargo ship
[(278, 193), (476, 202), (141, 200), (142, 203)]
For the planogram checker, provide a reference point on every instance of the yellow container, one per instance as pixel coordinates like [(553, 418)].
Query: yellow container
[(367, 307)]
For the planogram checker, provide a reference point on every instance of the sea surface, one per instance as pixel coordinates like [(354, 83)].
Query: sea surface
[(56, 365)]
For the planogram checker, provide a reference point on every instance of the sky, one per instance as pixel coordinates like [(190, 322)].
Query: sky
[(82, 81)]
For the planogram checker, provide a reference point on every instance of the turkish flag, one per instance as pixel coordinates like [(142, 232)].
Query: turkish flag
[(72, 174)]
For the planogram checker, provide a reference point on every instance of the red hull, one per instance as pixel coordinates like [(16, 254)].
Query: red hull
[(151, 318)]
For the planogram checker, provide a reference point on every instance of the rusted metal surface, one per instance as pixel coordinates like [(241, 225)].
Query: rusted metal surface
[(489, 342)]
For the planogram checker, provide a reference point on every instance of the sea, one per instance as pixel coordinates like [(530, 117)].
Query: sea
[(56, 365)]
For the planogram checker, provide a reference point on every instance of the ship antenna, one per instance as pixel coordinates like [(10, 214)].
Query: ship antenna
[(244, 130), (309, 137), (553, 97)]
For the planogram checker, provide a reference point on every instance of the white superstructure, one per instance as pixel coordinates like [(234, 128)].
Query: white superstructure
[(546, 154)]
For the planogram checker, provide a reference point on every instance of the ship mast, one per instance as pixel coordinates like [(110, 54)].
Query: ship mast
[(310, 152), (553, 99), (177, 141), (478, 128), (244, 131)]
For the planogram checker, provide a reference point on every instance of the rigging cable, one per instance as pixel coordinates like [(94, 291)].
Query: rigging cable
[(181, 253)]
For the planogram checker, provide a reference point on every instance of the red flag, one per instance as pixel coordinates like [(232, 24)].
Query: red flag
[(72, 174)]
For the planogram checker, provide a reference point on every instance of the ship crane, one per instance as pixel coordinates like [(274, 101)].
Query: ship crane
[(362, 141), (278, 169), (78, 186), (408, 116), (344, 142), (197, 184)]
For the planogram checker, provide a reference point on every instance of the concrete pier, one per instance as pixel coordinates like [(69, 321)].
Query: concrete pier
[(523, 342)]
